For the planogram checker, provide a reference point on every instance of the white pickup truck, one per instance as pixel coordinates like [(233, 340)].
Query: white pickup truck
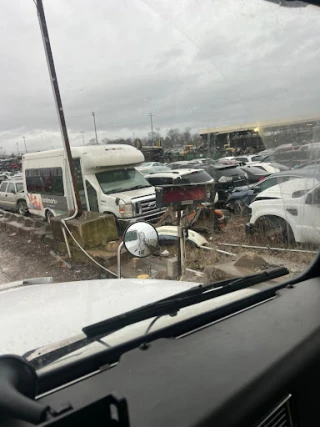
[(289, 211)]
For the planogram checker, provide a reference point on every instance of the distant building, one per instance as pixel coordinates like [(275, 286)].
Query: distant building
[(260, 135)]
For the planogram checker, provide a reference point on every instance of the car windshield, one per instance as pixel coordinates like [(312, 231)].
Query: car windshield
[(121, 180), (151, 105)]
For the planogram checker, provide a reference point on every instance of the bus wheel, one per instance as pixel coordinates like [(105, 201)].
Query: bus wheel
[(49, 215), (22, 208)]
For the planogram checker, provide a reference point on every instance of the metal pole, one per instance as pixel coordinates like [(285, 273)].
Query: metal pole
[(25, 145), (95, 128), (151, 115), (182, 251), (119, 259), (208, 145), (215, 145), (179, 243), (82, 132), (58, 102), (267, 248)]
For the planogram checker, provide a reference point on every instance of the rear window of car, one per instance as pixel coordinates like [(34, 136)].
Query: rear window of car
[(160, 181), (230, 172), (191, 178)]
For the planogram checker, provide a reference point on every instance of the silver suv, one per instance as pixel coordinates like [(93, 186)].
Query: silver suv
[(12, 196)]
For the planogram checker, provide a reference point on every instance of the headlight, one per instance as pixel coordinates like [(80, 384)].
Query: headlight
[(126, 210), (225, 179)]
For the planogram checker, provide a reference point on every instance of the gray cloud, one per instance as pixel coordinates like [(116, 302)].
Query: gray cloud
[(194, 63)]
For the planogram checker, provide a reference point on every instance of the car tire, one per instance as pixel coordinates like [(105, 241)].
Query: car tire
[(239, 208), (22, 208), (275, 230), (49, 216)]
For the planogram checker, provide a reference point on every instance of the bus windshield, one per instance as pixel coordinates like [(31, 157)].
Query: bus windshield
[(121, 180)]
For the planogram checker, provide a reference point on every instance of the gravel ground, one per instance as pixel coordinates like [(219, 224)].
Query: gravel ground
[(21, 258)]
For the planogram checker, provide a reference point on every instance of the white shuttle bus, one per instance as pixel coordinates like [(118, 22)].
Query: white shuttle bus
[(107, 179)]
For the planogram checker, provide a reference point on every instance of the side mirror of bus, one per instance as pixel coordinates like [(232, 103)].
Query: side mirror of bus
[(141, 239)]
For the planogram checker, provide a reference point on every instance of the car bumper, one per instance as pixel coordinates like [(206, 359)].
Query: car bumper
[(150, 217)]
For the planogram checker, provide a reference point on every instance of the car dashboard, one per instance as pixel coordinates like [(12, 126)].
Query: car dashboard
[(254, 365)]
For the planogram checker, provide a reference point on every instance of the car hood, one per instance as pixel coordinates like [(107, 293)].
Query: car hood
[(38, 315), (130, 195)]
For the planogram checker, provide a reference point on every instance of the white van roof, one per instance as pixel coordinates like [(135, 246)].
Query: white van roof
[(97, 156)]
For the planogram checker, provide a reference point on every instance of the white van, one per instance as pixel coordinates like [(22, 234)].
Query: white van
[(107, 179)]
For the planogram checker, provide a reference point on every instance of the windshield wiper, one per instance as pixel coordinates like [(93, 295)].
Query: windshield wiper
[(121, 190), (183, 299), (115, 190), (167, 306), (136, 187)]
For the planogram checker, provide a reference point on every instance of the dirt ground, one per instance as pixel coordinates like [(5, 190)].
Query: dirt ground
[(234, 233), (21, 258)]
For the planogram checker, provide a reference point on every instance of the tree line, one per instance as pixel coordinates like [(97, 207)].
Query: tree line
[(173, 138)]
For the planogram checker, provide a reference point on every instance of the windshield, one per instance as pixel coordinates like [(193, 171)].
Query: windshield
[(163, 88), (121, 180)]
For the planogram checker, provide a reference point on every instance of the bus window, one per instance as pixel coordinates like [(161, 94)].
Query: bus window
[(58, 189), (92, 197), (46, 181)]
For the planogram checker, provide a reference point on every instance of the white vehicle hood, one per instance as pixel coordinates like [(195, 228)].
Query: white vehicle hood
[(129, 196), (38, 315), (286, 189), (42, 315)]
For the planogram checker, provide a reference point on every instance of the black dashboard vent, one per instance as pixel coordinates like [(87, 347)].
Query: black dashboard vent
[(280, 416)]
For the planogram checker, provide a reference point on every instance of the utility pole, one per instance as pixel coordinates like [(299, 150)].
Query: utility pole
[(151, 115), (95, 128), (25, 145), (58, 102), (82, 132)]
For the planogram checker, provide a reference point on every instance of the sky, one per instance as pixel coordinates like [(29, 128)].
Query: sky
[(193, 63)]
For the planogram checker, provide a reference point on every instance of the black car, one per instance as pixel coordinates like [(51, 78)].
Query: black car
[(183, 177), (254, 174), (226, 177)]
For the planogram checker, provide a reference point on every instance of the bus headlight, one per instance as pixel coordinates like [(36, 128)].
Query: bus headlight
[(126, 210)]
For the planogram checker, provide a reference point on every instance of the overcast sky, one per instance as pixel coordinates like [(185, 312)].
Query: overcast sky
[(196, 63)]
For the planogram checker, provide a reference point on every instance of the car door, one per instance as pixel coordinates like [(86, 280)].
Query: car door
[(11, 196), (3, 194), (309, 223)]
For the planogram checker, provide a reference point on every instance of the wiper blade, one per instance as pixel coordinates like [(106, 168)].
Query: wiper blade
[(183, 299), (139, 186), (170, 305)]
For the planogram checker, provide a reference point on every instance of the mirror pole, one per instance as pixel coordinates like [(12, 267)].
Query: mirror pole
[(179, 258), (182, 251), (119, 259)]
